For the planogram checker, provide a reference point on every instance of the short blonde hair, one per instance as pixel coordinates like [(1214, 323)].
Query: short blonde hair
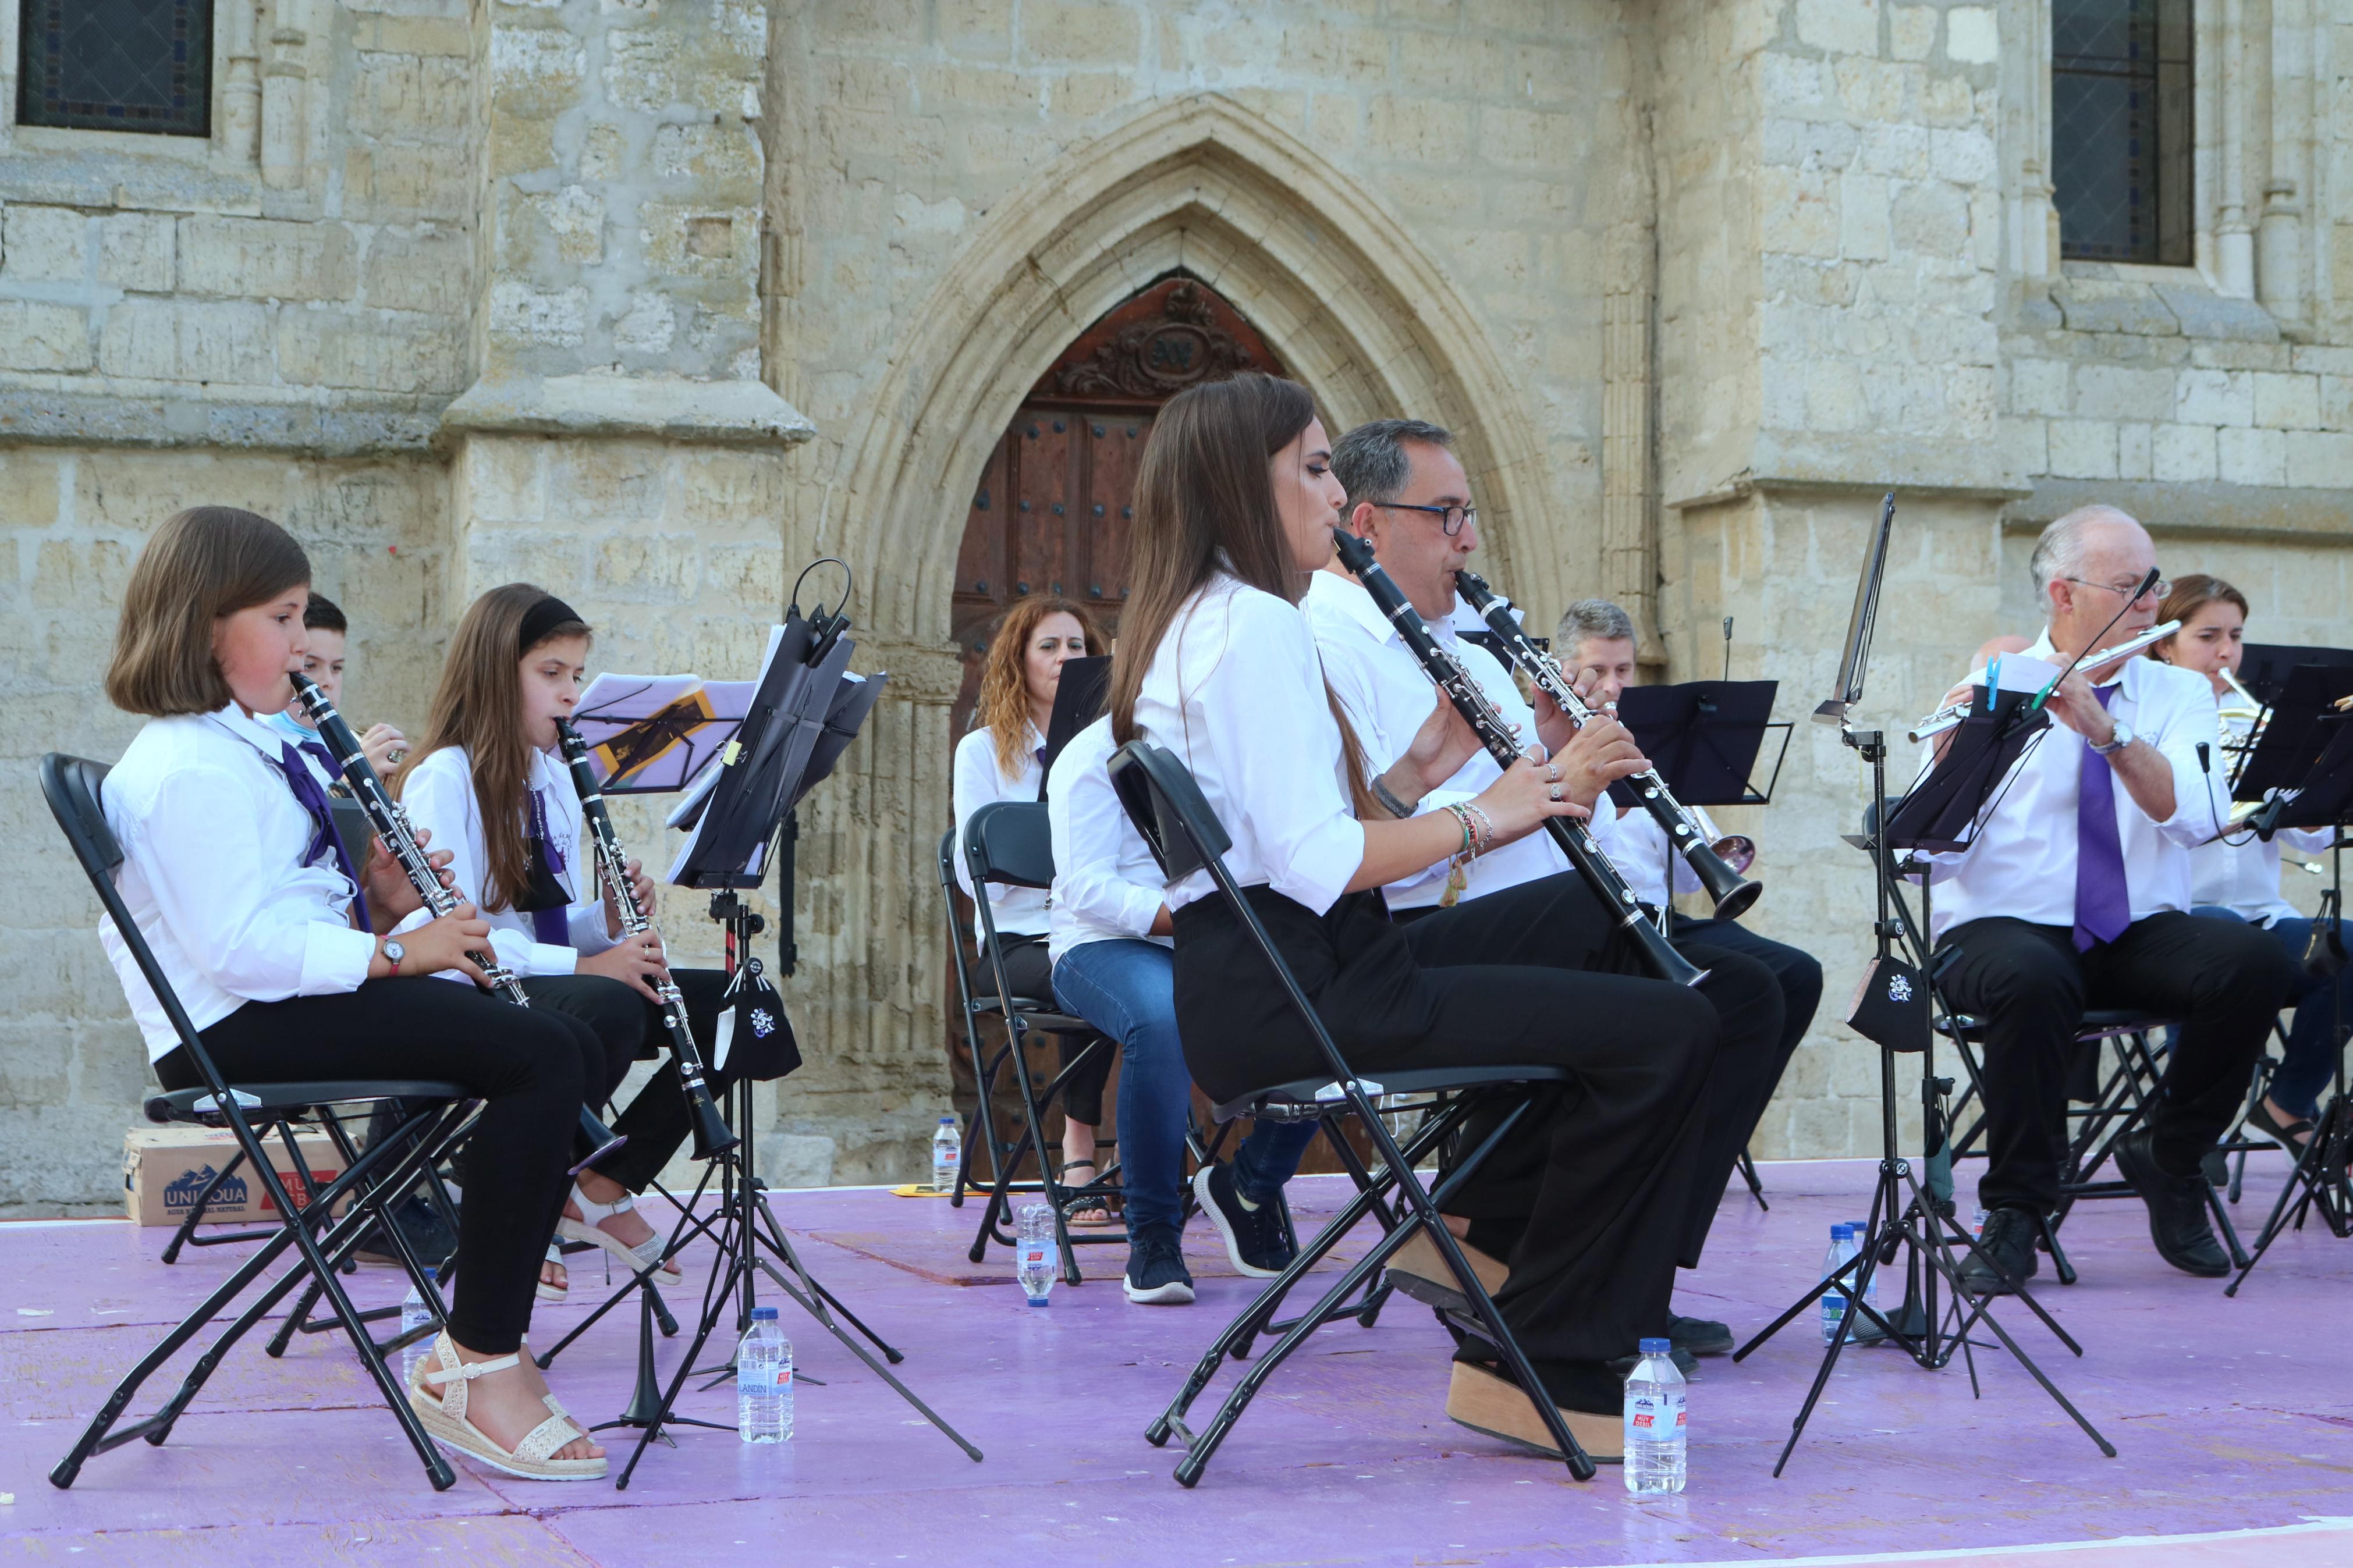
[(203, 563)]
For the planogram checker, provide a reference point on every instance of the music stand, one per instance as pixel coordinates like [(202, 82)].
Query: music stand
[(1704, 737), (1079, 698), (1892, 1010), (805, 709), (2264, 667), (2320, 796)]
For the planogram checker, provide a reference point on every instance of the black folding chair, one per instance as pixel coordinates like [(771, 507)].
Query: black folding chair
[(1006, 844), (322, 1241), (1184, 836), (2114, 1103)]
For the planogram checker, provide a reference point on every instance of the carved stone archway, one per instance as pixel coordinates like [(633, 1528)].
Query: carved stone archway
[(1356, 311)]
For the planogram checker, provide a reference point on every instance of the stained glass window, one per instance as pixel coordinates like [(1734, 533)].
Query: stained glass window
[(2120, 130), (117, 65)]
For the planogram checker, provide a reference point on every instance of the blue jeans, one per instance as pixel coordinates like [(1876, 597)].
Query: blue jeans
[(2310, 1059), (1126, 987)]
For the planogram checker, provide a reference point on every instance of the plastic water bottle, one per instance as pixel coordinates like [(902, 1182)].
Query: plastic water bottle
[(763, 1381), (947, 1155), (1834, 1299), (414, 1314), (1037, 1258), (1861, 1230), (1656, 1433)]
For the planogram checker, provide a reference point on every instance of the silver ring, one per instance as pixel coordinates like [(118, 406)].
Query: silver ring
[(1556, 791), (1552, 772)]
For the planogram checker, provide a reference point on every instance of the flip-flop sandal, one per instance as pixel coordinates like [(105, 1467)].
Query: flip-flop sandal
[(1089, 1214)]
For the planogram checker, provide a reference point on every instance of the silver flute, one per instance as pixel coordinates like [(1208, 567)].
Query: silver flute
[(1950, 716)]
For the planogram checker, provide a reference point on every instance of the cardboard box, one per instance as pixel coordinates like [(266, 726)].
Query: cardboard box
[(165, 1168)]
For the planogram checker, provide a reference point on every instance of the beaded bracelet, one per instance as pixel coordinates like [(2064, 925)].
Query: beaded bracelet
[(1486, 830), (1461, 814)]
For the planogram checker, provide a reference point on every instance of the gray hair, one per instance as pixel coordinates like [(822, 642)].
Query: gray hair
[(1371, 462), (1591, 620), (2058, 550)]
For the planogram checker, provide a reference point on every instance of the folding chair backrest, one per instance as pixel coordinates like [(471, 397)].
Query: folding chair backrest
[(1161, 797), (71, 785), (1008, 842)]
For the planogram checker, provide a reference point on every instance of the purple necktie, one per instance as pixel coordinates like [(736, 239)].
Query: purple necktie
[(2103, 903), (324, 836), (550, 926)]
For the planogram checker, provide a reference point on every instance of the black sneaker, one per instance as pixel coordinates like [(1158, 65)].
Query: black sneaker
[(1156, 1275), (2004, 1260), (2176, 1210), (1700, 1336), (420, 1222), (1257, 1241)]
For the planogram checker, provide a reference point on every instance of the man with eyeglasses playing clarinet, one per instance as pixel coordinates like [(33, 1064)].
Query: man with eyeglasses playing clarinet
[(1410, 499), (2075, 893)]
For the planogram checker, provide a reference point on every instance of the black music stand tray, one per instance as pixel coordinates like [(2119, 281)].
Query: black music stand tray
[(1079, 698), (806, 711), (2307, 724)]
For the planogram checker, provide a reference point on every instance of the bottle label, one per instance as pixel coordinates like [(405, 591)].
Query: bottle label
[(1654, 1415), (751, 1377)]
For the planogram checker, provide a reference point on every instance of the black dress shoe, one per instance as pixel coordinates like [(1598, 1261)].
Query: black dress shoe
[(2004, 1260), (2176, 1210), (1700, 1336)]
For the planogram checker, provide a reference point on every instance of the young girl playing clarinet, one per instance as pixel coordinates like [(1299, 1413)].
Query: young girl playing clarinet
[(233, 872), (1235, 506), (488, 779)]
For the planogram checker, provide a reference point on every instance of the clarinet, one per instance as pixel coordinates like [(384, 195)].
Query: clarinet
[(1733, 892), (391, 825), (711, 1135), (1494, 732)]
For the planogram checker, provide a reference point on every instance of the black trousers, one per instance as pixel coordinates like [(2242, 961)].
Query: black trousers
[(617, 1014), (1798, 973), (1575, 931), (1617, 1147), (657, 1119), (530, 1067), (1030, 972), (2224, 982)]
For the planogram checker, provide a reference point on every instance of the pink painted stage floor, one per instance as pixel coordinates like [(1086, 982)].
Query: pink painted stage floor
[(2234, 1419)]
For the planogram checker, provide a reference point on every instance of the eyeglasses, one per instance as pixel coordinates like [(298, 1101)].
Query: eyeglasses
[(2127, 590), (1451, 519)]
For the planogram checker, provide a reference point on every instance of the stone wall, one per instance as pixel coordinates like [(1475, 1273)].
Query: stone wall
[(470, 290)]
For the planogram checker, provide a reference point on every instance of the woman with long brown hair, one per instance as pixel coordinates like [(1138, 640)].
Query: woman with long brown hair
[(2237, 876), (487, 780), (1235, 508), (1003, 758), (236, 878)]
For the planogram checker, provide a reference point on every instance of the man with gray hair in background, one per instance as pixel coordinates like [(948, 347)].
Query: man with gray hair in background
[(1594, 644), (2075, 893)]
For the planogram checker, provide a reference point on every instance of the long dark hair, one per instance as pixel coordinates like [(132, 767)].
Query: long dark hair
[(478, 706), (1202, 491)]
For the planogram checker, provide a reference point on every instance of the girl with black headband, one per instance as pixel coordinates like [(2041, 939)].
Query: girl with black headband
[(490, 782)]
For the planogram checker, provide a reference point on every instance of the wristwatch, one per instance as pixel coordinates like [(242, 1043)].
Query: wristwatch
[(393, 953), (2118, 742)]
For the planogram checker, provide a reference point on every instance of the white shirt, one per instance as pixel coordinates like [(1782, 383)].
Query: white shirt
[(1018, 911), (296, 734), (438, 795), (1638, 847), (2239, 871), (1106, 883), (1235, 691), (2023, 863), (1387, 698), (213, 877)]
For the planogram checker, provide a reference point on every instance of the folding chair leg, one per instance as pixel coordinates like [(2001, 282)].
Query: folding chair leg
[(186, 1234)]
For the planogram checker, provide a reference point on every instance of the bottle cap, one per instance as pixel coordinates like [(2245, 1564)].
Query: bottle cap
[(948, 1121), (1655, 1347), (1842, 1232), (1040, 1301), (764, 1314)]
